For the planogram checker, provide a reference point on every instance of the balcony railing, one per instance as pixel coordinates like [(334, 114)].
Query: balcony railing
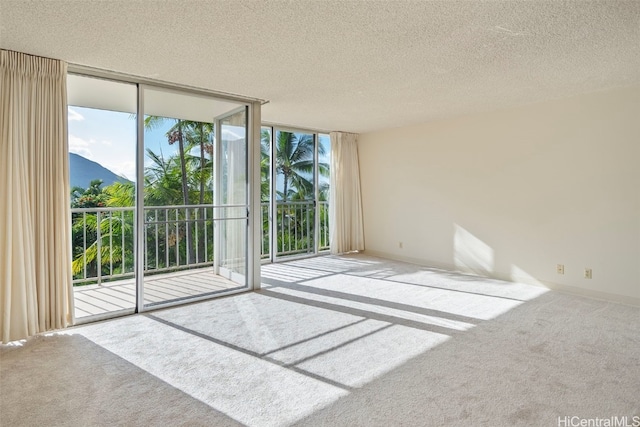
[(295, 224), (180, 237), (323, 230), (102, 240)]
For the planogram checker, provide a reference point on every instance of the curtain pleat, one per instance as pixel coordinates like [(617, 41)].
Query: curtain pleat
[(346, 230), (36, 291)]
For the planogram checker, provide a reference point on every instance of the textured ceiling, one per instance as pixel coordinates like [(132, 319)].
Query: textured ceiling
[(341, 65)]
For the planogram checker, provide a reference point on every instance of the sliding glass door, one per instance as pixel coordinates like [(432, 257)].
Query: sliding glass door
[(102, 159), (160, 195), (194, 214), (232, 198), (294, 193), (324, 182)]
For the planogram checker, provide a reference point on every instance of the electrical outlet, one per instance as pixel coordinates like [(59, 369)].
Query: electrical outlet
[(587, 273), (400, 245), (560, 269)]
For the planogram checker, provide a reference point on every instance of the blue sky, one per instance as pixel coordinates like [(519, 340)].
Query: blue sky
[(109, 138)]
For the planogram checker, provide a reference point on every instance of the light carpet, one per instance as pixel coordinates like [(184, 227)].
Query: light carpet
[(347, 341)]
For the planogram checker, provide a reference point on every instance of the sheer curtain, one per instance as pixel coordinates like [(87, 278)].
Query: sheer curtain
[(346, 229), (234, 231), (35, 251)]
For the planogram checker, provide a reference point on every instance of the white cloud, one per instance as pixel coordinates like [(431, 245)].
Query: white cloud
[(79, 146), (74, 115), (126, 169)]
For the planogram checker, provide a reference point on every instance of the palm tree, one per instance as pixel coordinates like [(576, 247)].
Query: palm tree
[(201, 133), (162, 180), (115, 229), (120, 194), (106, 230), (188, 134), (174, 134), (265, 164), (295, 161)]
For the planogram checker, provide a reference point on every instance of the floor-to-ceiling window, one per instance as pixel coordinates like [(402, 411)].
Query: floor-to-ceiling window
[(265, 191), (324, 164), (294, 192), (160, 214), (102, 174), (195, 196)]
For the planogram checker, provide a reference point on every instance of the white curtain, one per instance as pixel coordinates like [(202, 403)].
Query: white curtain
[(35, 251), (345, 206), (234, 192)]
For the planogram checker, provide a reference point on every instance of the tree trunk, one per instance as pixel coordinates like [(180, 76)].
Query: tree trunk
[(286, 188)]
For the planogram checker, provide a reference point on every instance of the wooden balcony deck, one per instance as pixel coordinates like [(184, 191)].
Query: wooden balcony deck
[(119, 295)]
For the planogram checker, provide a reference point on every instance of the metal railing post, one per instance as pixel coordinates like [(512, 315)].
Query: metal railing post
[(308, 237), (99, 247)]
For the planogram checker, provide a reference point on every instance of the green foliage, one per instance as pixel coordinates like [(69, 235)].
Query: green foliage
[(91, 197), (111, 231), (114, 228), (120, 194), (103, 240), (294, 161)]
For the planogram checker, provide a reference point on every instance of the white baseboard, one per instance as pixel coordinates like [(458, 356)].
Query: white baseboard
[(566, 289)]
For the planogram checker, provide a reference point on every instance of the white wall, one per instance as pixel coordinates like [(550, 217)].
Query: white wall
[(510, 194)]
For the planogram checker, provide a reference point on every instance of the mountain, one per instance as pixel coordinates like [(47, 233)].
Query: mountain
[(82, 171)]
